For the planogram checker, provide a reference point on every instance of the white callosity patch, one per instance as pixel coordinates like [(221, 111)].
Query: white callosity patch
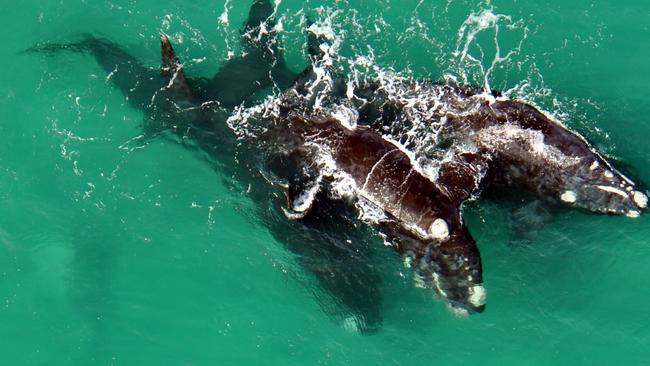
[(477, 295), (612, 190), (640, 199), (439, 229), (568, 196)]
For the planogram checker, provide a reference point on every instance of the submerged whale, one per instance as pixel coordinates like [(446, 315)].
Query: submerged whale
[(412, 152)]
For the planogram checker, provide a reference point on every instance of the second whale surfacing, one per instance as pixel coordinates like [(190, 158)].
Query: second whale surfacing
[(485, 141), (411, 153), (416, 151)]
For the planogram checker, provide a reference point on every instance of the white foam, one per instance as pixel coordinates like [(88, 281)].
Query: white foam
[(418, 281), (408, 260), (223, 18), (459, 312), (346, 116), (436, 285), (303, 202)]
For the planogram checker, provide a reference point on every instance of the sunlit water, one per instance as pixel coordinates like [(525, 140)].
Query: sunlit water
[(117, 252)]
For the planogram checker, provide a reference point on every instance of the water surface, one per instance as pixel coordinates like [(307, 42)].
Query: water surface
[(113, 252)]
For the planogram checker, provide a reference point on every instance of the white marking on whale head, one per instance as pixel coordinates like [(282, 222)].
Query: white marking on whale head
[(612, 190), (568, 196), (439, 229), (640, 199), (477, 295)]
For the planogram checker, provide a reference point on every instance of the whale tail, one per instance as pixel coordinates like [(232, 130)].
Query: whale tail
[(172, 70), (137, 82)]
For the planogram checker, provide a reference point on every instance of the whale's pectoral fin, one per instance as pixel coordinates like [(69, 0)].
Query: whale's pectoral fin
[(337, 253), (452, 267), (137, 82), (264, 46), (260, 66), (321, 75), (304, 184)]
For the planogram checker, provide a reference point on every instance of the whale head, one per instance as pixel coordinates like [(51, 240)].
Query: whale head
[(600, 188), (456, 272), (542, 155)]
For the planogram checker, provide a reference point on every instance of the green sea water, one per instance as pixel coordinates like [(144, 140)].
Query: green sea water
[(116, 253)]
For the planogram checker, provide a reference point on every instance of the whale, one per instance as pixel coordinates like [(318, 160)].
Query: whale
[(422, 217), (481, 140), (401, 159), (417, 151)]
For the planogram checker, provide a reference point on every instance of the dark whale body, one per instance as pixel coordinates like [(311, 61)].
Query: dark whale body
[(415, 151), (481, 141), (423, 218), (525, 148)]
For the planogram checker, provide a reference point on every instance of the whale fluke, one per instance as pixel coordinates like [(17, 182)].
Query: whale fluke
[(172, 69)]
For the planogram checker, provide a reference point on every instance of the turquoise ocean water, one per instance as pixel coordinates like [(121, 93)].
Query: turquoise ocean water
[(114, 253)]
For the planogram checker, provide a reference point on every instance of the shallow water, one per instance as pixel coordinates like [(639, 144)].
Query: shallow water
[(115, 252)]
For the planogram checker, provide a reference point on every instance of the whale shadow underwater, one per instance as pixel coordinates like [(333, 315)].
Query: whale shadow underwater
[(333, 164)]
